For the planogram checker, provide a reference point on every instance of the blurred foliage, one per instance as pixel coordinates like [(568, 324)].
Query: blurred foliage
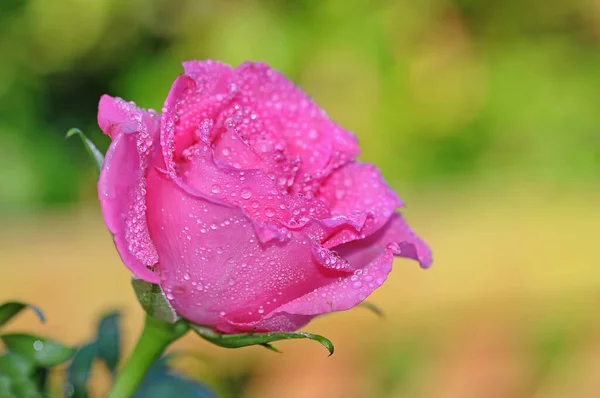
[(437, 90)]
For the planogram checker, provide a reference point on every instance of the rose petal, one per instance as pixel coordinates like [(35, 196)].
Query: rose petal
[(357, 191), (200, 94), (287, 112), (232, 150), (396, 235), (198, 173), (214, 268), (242, 125), (372, 260), (121, 186)]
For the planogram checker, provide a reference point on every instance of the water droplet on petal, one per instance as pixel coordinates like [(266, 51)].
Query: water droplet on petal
[(246, 193), (215, 189)]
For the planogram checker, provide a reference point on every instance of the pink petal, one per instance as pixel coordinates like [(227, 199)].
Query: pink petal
[(121, 186), (372, 260), (214, 268), (198, 95), (289, 113), (357, 191), (200, 175), (232, 150)]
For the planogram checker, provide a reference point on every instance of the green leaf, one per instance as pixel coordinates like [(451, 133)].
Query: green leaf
[(5, 387), (79, 371), (161, 382), (108, 340), (39, 350), (153, 301), (247, 339), (373, 308), (40, 377), (12, 308), (25, 388), (96, 155), (14, 365)]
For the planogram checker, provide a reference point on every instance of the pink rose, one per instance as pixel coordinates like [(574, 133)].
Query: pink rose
[(244, 201)]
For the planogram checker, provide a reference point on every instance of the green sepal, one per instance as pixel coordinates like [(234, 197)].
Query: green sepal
[(41, 351), (153, 301), (11, 308), (248, 339), (108, 340), (94, 153), (373, 308)]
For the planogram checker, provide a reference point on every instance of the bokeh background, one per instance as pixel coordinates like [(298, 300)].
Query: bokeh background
[(484, 116)]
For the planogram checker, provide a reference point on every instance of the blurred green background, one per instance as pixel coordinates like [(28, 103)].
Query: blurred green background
[(483, 115)]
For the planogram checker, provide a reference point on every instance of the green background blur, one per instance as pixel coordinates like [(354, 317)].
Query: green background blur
[(484, 116)]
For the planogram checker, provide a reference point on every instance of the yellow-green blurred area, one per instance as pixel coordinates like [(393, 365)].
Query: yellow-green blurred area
[(483, 115)]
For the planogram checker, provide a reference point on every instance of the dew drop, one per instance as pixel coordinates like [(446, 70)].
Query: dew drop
[(357, 285), (38, 345), (215, 189), (246, 193)]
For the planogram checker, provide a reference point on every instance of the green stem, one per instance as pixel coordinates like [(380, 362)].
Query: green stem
[(155, 338)]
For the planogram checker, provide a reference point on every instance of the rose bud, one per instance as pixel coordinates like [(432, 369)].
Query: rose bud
[(244, 201)]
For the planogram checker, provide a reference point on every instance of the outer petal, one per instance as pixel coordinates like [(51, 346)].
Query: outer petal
[(215, 269), (287, 112), (372, 260), (358, 192), (121, 186)]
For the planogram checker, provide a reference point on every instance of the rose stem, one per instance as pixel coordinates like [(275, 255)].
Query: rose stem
[(155, 338)]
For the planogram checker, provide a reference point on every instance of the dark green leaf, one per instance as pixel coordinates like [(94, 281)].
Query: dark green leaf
[(247, 339), (79, 371), (160, 382), (154, 301), (40, 378), (108, 341), (95, 154), (41, 351), (15, 365), (12, 308)]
